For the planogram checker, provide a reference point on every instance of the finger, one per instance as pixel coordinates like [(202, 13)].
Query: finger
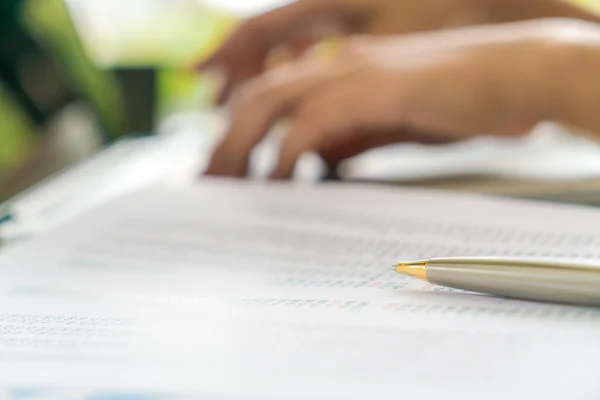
[(242, 56), (342, 114), (260, 104), (259, 61), (225, 91), (320, 39), (238, 74), (305, 135), (277, 26), (245, 69), (329, 111), (297, 25), (287, 53), (233, 82), (207, 63)]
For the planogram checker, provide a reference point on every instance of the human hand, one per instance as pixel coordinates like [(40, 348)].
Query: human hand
[(431, 87), (294, 28), (301, 24)]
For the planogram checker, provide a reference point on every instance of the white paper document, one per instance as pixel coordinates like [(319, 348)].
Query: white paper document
[(234, 290)]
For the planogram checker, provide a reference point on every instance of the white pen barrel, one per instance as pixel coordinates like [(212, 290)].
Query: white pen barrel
[(557, 282)]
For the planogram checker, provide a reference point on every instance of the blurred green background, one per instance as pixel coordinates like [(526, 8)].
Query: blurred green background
[(77, 74)]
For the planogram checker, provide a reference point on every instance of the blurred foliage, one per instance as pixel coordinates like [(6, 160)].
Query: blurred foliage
[(171, 46), (184, 88), (17, 136), (169, 36), (50, 23), (181, 87)]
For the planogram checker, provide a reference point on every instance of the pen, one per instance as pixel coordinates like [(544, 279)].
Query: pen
[(528, 279)]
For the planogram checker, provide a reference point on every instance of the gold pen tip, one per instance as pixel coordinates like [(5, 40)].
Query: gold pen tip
[(416, 269)]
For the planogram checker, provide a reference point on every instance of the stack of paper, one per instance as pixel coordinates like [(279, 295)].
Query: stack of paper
[(270, 291)]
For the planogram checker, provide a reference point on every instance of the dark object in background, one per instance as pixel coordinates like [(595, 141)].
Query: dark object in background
[(35, 72), (30, 75), (49, 88), (139, 97)]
